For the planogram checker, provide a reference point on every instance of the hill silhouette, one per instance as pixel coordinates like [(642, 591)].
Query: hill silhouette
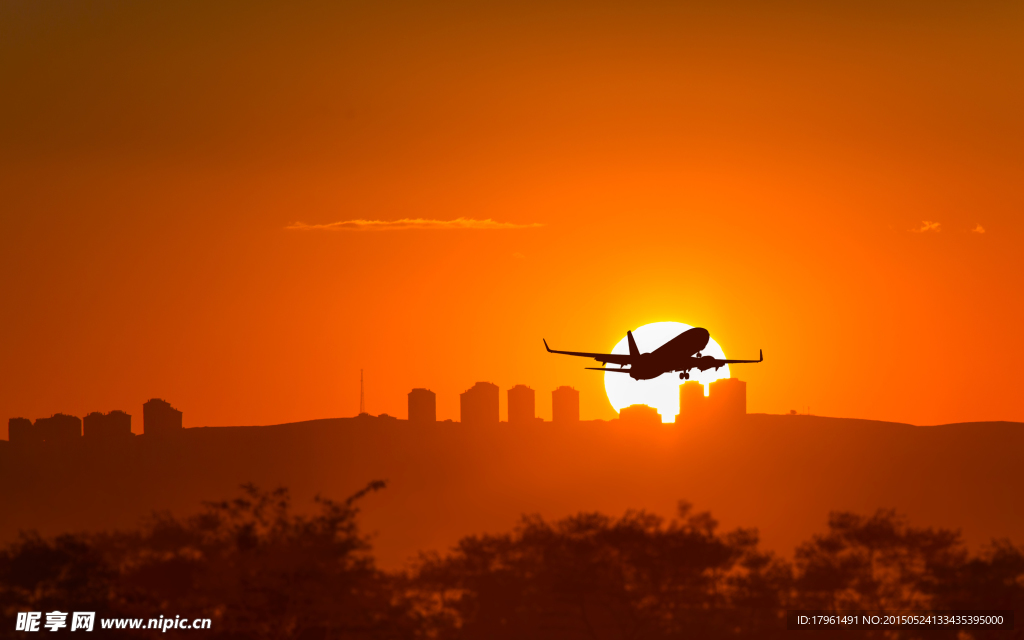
[(783, 474)]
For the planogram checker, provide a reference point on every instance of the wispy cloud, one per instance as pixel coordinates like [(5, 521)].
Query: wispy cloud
[(409, 223), (978, 229), (927, 226)]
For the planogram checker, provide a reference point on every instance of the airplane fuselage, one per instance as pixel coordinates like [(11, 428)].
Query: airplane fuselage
[(678, 354)]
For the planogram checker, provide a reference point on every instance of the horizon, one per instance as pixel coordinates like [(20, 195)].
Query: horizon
[(138, 425)]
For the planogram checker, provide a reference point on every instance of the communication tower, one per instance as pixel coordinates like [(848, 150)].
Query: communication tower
[(362, 395)]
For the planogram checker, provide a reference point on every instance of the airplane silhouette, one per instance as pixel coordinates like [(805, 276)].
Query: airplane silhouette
[(681, 353)]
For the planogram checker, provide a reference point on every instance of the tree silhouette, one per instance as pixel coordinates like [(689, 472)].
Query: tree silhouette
[(258, 570), (591, 576), (249, 564), (993, 580), (873, 563)]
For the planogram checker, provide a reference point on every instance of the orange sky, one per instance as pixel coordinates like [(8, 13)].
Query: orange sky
[(759, 173)]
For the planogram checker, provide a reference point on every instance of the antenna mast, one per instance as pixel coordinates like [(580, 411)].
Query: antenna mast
[(362, 396)]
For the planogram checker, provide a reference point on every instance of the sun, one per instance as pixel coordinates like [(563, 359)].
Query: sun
[(662, 392)]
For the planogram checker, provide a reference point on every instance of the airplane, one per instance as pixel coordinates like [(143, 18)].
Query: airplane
[(681, 353)]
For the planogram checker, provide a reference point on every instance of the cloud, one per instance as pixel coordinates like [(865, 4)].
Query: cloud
[(978, 229), (409, 223), (928, 226)]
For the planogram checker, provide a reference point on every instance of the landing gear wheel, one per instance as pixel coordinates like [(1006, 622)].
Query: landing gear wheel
[(684, 376)]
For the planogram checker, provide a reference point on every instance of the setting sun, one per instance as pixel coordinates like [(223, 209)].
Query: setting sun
[(662, 392)]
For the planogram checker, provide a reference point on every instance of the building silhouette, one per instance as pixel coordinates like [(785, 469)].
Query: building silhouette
[(727, 398), (640, 414), (20, 431), (58, 428), (112, 426), (160, 418), (522, 405), (693, 405), (565, 405), (422, 406), (479, 404)]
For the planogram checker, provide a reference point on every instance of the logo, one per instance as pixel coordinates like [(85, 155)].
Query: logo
[(30, 620)]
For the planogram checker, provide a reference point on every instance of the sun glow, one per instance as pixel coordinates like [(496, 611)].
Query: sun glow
[(662, 392)]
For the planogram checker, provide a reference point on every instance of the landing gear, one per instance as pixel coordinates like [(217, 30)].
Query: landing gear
[(684, 375)]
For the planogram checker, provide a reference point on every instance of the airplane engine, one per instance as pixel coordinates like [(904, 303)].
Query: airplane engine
[(707, 362)]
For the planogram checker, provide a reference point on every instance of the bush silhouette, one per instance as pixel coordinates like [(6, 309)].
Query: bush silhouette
[(249, 564), (258, 570)]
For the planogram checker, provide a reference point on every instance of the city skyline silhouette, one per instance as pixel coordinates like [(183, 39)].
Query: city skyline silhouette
[(480, 406)]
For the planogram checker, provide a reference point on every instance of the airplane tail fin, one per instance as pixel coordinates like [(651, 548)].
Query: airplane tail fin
[(633, 351)]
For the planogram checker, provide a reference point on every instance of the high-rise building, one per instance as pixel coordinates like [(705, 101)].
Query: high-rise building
[(479, 404), (522, 404), (693, 406), (114, 425), (160, 418), (640, 414), (58, 428), (422, 406), (565, 405), (727, 398), (21, 431)]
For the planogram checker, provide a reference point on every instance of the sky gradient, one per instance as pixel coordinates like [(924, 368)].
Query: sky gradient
[(237, 206)]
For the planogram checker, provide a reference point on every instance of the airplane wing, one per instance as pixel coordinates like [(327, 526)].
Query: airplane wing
[(759, 359), (600, 357)]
